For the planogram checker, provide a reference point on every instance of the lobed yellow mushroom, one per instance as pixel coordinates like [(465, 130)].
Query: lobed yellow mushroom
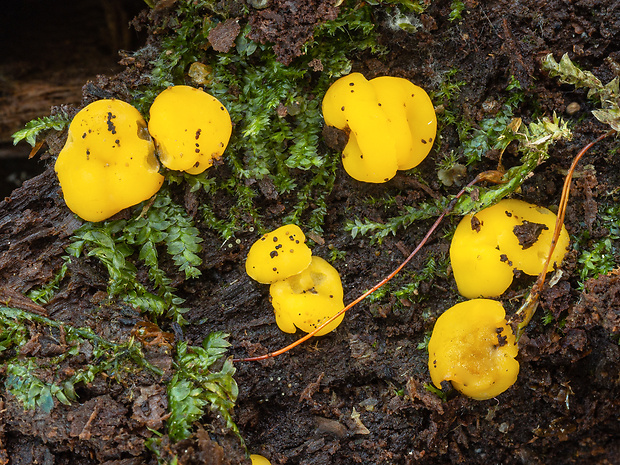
[(108, 162), (391, 124), (190, 127), (488, 246), (278, 255), (307, 299), (259, 460), (474, 348)]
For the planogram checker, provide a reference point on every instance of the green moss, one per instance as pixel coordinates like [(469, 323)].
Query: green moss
[(198, 385), (22, 373), (599, 256), (37, 128), (121, 245), (608, 95), (275, 109)]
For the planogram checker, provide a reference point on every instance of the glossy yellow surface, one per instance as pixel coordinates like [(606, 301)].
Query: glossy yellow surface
[(278, 255), (391, 124), (108, 162), (307, 299), (190, 127), (259, 460), (473, 347), (486, 249)]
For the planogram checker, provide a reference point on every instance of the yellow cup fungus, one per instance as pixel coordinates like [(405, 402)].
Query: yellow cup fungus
[(108, 162), (278, 255), (307, 299), (474, 348), (259, 460), (488, 246), (391, 124), (305, 290), (190, 127)]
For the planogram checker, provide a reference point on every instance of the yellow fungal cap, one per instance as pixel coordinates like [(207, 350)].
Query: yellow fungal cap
[(473, 347), (309, 298), (512, 235), (190, 127), (259, 460), (108, 162), (278, 255), (391, 124), (412, 115)]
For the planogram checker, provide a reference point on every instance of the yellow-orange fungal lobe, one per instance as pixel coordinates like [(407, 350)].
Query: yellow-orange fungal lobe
[(474, 348), (488, 246)]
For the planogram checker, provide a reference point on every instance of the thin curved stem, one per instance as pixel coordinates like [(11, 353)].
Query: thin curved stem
[(528, 308)]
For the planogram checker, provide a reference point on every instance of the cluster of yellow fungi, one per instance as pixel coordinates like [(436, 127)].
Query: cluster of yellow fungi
[(472, 345), (305, 290), (391, 124), (109, 161)]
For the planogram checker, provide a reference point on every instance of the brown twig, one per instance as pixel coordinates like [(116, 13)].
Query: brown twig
[(530, 305)]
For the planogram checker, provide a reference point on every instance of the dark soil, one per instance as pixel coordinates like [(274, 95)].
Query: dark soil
[(356, 395)]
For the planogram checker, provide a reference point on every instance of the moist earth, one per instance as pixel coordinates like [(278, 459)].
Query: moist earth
[(357, 395)]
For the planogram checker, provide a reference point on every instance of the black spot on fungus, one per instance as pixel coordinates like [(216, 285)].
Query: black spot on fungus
[(331, 296), (379, 104), (424, 141), (291, 251), (508, 214), (263, 238), (475, 224), (361, 156), (111, 126), (279, 246), (118, 142), (352, 91), (87, 154), (430, 139), (386, 179), (273, 254), (275, 239), (296, 241), (197, 164), (342, 108), (198, 131), (501, 340), (197, 150), (504, 258), (197, 144), (291, 238), (222, 108), (84, 136), (528, 233), (274, 269), (351, 84)]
